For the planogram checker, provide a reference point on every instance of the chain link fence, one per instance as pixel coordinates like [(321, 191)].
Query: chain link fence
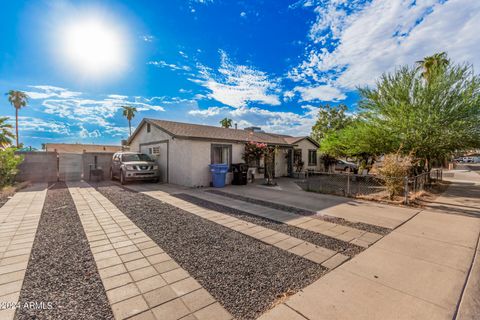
[(356, 185)]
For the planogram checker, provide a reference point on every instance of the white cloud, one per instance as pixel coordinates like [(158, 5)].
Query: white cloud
[(117, 96), (379, 36), (320, 93), (51, 92), (41, 125), (84, 133), (94, 111), (295, 124), (172, 66), (209, 112), (238, 85), (148, 38), (243, 14)]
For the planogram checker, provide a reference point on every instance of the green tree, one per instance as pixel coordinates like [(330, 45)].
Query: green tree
[(6, 135), (329, 120), (129, 113), (9, 163), (226, 123), (18, 100), (427, 119)]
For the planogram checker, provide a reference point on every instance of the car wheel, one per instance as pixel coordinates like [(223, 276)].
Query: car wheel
[(112, 177), (347, 169), (122, 178), (156, 180)]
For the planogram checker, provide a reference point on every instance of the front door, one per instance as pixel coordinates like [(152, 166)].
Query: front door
[(290, 162)]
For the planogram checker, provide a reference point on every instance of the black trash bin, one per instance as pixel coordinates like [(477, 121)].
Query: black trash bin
[(240, 171)]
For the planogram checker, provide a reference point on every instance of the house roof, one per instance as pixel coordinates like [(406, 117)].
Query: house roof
[(80, 148), (196, 131)]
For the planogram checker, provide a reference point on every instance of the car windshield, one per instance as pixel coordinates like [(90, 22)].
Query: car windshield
[(136, 157)]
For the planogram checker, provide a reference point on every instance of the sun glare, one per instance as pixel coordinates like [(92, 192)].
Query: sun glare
[(93, 47)]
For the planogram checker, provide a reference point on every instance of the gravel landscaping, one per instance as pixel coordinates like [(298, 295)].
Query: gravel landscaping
[(245, 275), (304, 212), (310, 236), (61, 269)]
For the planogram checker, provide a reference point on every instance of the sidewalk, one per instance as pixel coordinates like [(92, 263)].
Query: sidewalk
[(418, 271), (463, 194)]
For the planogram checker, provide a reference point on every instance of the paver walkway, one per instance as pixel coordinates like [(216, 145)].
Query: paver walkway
[(327, 258), (418, 271), (348, 234), (19, 219), (353, 210), (141, 280)]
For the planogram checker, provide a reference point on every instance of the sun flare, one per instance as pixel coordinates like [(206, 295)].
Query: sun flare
[(94, 47)]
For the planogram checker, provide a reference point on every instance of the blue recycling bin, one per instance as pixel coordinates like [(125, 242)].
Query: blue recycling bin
[(218, 174)]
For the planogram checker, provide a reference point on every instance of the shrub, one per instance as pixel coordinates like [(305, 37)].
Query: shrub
[(394, 171), (9, 163)]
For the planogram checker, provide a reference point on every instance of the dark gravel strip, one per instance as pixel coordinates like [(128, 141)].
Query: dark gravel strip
[(310, 236), (62, 269), (303, 212), (245, 275)]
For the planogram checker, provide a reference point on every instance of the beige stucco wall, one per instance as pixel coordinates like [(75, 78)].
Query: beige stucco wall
[(306, 145), (199, 155), (281, 165)]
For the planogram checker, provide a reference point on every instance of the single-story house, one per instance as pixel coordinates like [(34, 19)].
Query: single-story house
[(185, 150)]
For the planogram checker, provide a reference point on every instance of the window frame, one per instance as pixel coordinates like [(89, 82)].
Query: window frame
[(310, 163), (149, 128), (219, 145)]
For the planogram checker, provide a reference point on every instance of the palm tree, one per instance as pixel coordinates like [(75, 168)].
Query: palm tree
[(430, 63), (129, 113), (226, 123), (5, 134), (18, 100)]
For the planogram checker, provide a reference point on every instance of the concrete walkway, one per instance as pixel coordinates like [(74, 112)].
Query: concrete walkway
[(350, 209), (19, 219), (141, 280), (463, 194), (418, 271)]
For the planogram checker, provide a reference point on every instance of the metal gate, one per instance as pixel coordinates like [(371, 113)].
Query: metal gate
[(70, 166)]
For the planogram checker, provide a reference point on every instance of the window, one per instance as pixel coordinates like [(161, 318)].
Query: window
[(312, 157), (148, 127), (221, 153), (135, 157), (156, 150)]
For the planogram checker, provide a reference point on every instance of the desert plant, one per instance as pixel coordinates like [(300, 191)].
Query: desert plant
[(394, 171), (9, 163), (18, 100), (226, 123), (129, 113)]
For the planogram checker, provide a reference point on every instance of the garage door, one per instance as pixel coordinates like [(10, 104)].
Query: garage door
[(158, 151)]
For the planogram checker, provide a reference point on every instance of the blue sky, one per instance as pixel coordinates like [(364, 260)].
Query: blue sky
[(264, 63)]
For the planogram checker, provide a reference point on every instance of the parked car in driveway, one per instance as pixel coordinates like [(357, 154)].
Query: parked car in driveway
[(342, 165), (133, 166)]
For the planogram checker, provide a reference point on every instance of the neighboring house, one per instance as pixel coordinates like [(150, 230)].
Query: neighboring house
[(80, 148), (185, 150)]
